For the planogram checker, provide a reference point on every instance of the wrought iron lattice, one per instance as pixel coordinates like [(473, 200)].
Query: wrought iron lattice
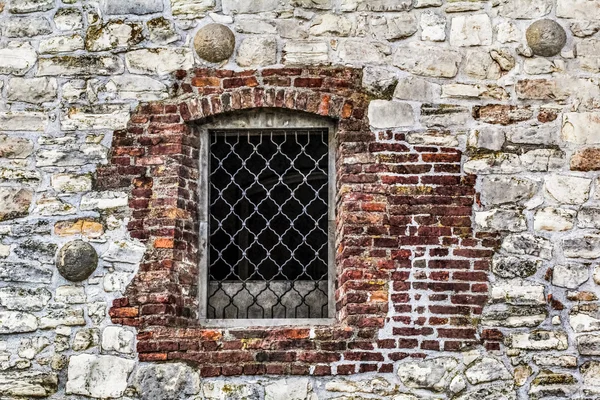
[(268, 224)]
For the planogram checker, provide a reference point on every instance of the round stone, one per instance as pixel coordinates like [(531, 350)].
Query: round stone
[(546, 37), (214, 42), (77, 260)]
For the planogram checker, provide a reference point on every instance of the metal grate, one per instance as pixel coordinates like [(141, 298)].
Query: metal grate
[(268, 224)]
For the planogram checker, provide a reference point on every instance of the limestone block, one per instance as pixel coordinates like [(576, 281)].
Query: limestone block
[(587, 54), (217, 390), (118, 339), (162, 31), (383, 5), (525, 9), (18, 27), (28, 384), (29, 6), (542, 160), (518, 292), (317, 4), (379, 80), (68, 317), (480, 65), (289, 388), (390, 114), (433, 27), (581, 128), (496, 190), (131, 87), (23, 299), (127, 252), (70, 295), (71, 183), (301, 52), (585, 318), (471, 30), (34, 90), (427, 61), (589, 217), (85, 227), (500, 220), (116, 281), (554, 219), (433, 137), (14, 202), (434, 374), (85, 339), (137, 7), (590, 372), (191, 8), (23, 121), (588, 345), (257, 51), (17, 58), (508, 32), (578, 9), (30, 272), (30, 347), (331, 25), (68, 19), (546, 360), (17, 322), (539, 340), (249, 6), (568, 189), (103, 200), (527, 244), (548, 383), (160, 61), (444, 115), (586, 246), (514, 267), (33, 249), (173, 381), (466, 91), (71, 156), (487, 370), (113, 35), (105, 116), (509, 316), (98, 376), (15, 147), (499, 163), (416, 89), (570, 276), (80, 65), (391, 28), (361, 52)]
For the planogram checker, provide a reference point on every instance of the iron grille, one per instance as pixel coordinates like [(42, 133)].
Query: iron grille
[(268, 224)]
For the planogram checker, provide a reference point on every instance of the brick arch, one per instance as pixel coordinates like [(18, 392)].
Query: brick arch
[(411, 277)]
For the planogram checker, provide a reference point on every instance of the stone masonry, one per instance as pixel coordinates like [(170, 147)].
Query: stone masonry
[(468, 203)]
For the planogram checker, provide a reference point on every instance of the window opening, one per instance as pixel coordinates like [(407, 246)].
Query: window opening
[(268, 224)]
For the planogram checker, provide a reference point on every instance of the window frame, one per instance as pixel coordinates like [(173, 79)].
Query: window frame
[(262, 119)]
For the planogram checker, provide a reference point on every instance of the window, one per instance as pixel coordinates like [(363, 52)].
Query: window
[(267, 187)]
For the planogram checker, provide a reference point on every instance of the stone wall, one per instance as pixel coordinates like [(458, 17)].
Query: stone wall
[(438, 81)]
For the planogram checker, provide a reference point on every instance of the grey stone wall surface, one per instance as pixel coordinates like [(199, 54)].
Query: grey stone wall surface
[(71, 71)]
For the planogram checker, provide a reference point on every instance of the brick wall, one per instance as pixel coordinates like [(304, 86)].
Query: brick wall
[(410, 274)]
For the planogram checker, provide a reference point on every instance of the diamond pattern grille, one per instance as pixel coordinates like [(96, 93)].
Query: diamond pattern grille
[(268, 224)]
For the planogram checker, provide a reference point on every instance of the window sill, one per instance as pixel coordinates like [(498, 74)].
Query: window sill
[(255, 323)]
